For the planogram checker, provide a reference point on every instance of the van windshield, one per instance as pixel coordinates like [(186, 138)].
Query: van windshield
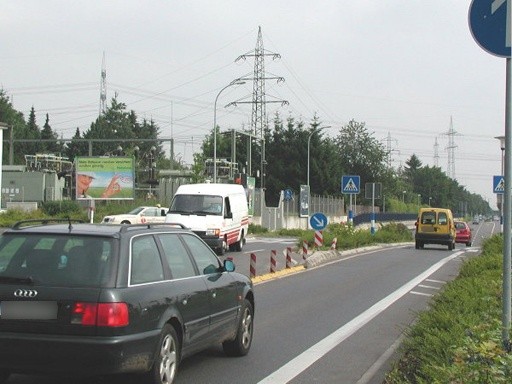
[(197, 205)]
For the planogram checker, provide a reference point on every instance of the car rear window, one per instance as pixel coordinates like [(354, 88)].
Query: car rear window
[(57, 260)]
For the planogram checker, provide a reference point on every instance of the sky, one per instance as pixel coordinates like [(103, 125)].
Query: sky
[(409, 69)]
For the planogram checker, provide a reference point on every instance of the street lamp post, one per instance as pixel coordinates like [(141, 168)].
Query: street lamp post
[(419, 197), (234, 82), (429, 199), (499, 197), (403, 196)]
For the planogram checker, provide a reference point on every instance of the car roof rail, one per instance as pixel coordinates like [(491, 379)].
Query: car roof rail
[(127, 227), (44, 221)]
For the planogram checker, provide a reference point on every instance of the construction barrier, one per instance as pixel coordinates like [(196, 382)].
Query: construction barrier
[(272, 261), (253, 265), (334, 243), (319, 239), (304, 249), (288, 257)]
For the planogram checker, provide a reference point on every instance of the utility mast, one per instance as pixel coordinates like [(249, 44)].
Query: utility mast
[(259, 96), (451, 150), (389, 149), (103, 87), (436, 153)]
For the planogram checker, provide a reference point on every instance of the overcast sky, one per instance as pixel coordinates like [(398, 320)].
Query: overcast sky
[(409, 69)]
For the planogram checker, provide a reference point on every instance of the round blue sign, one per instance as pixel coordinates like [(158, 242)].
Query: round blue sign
[(318, 221), (488, 25)]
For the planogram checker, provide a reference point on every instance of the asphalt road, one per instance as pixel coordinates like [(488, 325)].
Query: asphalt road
[(337, 323)]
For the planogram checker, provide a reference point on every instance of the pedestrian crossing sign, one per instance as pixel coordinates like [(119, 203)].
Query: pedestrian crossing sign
[(350, 184), (498, 184)]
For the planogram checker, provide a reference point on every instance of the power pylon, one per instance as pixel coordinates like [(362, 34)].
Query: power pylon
[(451, 150), (436, 153), (259, 96), (103, 87)]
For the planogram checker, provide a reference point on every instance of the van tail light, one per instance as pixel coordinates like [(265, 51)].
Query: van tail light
[(100, 314)]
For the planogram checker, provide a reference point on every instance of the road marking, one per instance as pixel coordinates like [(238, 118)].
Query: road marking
[(428, 286), (436, 281), (368, 375), (307, 358), (421, 293)]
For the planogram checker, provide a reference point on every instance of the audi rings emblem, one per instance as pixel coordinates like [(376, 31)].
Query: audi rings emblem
[(25, 293)]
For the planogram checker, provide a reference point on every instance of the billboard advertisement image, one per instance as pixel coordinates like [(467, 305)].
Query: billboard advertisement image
[(104, 178)]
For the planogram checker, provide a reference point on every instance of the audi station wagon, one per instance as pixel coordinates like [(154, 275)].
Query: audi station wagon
[(79, 298)]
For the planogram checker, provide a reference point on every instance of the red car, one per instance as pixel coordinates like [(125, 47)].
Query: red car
[(463, 233)]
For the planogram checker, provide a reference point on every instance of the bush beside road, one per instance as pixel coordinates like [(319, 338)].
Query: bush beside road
[(459, 339)]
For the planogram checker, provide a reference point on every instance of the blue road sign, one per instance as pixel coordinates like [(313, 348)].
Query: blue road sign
[(498, 184), (490, 25), (318, 221), (288, 194), (350, 184)]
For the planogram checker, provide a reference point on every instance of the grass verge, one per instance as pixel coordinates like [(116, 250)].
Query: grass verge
[(459, 339)]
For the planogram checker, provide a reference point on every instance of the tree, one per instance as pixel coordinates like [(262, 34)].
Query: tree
[(359, 153), (50, 147), (16, 123)]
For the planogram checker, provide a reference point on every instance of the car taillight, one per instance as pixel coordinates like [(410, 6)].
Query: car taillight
[(100, 314)]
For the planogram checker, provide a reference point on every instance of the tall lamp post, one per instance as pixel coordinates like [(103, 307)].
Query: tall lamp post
[(419, 198), (309, 146), (499, 197), (234, 82)]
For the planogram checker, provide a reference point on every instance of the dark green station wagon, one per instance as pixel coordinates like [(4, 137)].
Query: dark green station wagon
[(78, 298)]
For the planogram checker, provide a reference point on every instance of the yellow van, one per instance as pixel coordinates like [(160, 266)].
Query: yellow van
[(435, 226)]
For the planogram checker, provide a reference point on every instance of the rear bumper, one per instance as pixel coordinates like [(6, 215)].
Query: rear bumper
[(463, 239), (433, 238), (77, 355)]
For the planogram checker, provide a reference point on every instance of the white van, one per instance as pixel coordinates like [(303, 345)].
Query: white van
[(218, 213)]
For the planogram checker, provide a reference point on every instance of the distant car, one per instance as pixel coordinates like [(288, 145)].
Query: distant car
[(139, 215), (463, 233), (476, 220), (94, 299)]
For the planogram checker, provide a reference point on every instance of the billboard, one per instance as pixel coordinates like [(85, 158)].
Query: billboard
[(104, 178)]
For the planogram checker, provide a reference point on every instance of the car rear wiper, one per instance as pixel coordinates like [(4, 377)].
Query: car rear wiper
[(16, 280)]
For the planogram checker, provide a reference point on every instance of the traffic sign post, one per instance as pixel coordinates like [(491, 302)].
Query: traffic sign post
[(489, 21), (350, 184)]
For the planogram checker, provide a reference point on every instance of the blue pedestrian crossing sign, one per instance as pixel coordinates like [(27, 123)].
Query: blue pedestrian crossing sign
[(350, 184), (498, 184)]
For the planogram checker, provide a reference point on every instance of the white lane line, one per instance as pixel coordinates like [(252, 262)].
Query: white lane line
[(436, 281), (307, 358), (428, 286), (368, 375), (421, 293)]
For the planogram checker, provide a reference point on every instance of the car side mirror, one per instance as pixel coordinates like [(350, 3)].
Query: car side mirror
[(229, 265), (229, 215)]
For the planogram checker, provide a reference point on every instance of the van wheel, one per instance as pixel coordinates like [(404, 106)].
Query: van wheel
[(240, 243)]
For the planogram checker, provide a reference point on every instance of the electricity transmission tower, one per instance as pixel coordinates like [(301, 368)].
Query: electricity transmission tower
[(451, 150), (103, 87), (259, 96)]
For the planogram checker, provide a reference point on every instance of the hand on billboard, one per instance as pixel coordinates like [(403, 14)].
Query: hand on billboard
[(112, 188)]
